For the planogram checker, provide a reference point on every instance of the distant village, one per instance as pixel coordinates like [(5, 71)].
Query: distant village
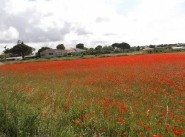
[(23, 51), (165, 47)]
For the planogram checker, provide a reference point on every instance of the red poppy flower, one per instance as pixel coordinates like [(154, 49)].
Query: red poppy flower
[(177, 132)]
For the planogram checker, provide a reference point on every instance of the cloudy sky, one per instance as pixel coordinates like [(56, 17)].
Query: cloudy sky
[(92, 22)]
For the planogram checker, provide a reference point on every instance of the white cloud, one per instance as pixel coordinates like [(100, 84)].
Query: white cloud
[(9, 35), (137, 22), (155, 22)]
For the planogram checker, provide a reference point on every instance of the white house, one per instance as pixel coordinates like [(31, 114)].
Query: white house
[(52, 53), (75, 50), (57, 53), (14, 58), (178, 48), (148, 49)]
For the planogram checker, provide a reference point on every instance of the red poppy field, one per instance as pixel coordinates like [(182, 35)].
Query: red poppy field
[(116, 96)]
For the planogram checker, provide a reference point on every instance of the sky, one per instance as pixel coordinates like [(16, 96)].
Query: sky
[(93, 22)]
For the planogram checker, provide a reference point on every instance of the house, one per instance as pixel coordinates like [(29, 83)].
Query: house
[(148, 49), (14, 58), (178, 48), (49, 53), (75, 50), (79, 50), (52, 53)]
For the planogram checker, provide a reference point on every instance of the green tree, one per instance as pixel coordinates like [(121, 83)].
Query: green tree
[(90, 51), (151, 46), (122, 45), (21, 49), (115, 45), (4, 56), (99, 47), (80, 46), (42, 49), (61, 46), (138, 48), (107, 50), (6, 51)]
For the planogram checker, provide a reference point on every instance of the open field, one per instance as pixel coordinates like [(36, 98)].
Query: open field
[(116, 96)]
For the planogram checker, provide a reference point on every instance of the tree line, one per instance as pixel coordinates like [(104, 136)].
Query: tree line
[(21, 49)]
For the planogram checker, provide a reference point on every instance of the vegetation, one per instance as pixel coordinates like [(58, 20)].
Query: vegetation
[(99, 47), (116, 96), (115, 48), (122, 45), (61, 46), (42, 49), (20, 50), (80, 46), (4, 56)]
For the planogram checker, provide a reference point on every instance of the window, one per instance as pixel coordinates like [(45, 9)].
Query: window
[(50, 53)]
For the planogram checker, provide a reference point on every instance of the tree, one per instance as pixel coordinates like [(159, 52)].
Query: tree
[(115, 45), (6, 50), (107, 50), (99, 47), (138, 48), (80, 46), (21, 49), (122, 45), (6, 54), (42, 49), (19, 42), (61, 46), (151, 46)]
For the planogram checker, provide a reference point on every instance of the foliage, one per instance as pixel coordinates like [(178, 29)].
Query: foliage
[(100, 50), (122, 45), (42, 49), (20, 50), (4, 56), (61, 46), (80, 46), (99, 47), (138, 48), (107, 49), (151, 46)]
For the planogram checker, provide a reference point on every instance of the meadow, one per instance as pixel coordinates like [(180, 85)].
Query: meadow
[(129, 96)]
